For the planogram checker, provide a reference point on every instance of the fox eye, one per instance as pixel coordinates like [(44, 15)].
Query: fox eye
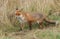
[(18, 14)]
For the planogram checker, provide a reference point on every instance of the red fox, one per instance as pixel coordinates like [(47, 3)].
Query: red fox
[(31, 17)]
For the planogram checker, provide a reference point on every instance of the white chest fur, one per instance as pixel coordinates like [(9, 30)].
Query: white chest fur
[(21, 19)]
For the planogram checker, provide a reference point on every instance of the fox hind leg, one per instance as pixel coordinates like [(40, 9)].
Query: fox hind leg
[(30, 27), (41, 25)]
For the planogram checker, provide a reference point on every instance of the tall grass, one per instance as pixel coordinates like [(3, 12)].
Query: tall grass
[(8, 7)]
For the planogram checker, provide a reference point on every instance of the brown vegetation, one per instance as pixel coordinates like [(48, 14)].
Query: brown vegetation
[(8, 7)]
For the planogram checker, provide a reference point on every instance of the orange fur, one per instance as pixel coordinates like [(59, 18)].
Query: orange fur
[(30, 18)]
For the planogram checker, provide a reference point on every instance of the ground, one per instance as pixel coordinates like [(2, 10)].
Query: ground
[(46, 33)]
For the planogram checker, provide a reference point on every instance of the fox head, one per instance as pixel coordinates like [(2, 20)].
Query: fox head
[(18, 12), (19, 15)]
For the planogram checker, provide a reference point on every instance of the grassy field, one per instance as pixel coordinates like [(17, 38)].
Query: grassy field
[(9, 26), (46, 33)]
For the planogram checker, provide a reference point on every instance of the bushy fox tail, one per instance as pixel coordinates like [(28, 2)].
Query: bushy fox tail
[(49, 21)]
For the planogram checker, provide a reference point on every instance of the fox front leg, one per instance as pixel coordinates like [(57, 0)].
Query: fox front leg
[(21, 26), (30, 25)]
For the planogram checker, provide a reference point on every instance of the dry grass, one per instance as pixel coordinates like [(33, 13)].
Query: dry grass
[(9, 23), (7, 8), (46, 33)]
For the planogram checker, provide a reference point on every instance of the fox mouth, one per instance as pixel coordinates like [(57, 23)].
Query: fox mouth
[(21, 18)]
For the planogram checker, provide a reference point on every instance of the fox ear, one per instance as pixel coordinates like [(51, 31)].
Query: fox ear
[(21, 9), (16, 8)]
